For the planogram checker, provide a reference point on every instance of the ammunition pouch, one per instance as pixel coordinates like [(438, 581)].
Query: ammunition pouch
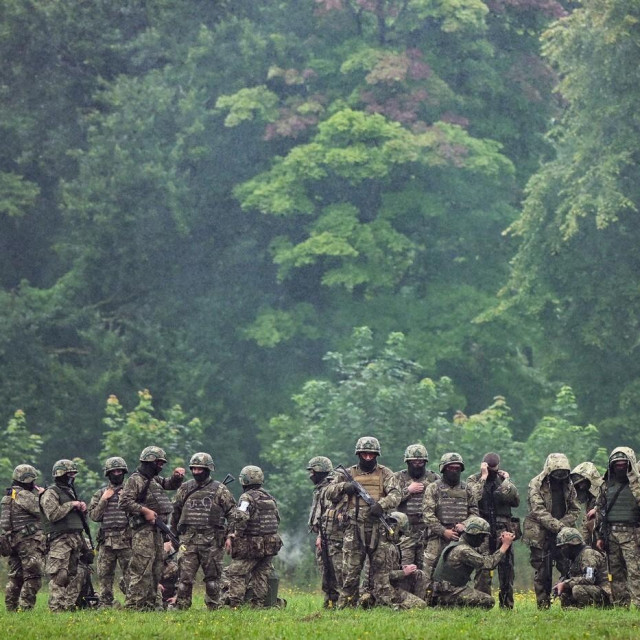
[(5, 545)]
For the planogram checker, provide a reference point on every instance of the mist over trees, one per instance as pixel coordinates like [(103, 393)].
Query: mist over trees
[(202, 199)]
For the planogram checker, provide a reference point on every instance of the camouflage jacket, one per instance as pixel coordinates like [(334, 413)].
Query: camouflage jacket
[(411, 503), (96, 510), (432, 502), (458, 561), (135, 485), (588, 471), (52, 507), (589, 568), (325, 513), (505, 496), (539, 523), (400, 552)]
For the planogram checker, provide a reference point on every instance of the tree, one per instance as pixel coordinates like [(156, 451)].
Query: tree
[(18, 446)]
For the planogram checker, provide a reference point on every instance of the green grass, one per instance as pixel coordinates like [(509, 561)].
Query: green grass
[(303, 618)]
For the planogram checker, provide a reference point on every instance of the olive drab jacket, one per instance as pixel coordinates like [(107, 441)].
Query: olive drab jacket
[(540, 524), (588, 471), (505, 497)]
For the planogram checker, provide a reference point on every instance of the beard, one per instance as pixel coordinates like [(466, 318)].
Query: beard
[(415, 473)]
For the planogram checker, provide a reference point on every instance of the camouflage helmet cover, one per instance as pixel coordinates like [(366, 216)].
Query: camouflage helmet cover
[(416, 452), (451, 458), (402, 520), (569, 535), (25, 473), (368, 444), (321, 464), (151, 454), (113, 464), (202, 459), (476, 526), (63, 466), (251, 475)]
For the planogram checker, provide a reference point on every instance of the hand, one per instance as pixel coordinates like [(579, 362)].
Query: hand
[(349, 489), (227, 546), (179, 471), (415, 487), (79, 505), (591, 514), (149, 514), (450, 534), (408, 569), (107, 493), (484, 470), (168, 547), (600, 544), (503, 474), (459, 528), (506, 537), (40, 490), (559, 588), (376, 510), (318, 543)]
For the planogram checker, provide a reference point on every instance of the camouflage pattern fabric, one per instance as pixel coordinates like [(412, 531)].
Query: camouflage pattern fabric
[(587, 583), (588, 471), (169, 580), (25, 569), (243, 574), (409, 591), (62, 568)]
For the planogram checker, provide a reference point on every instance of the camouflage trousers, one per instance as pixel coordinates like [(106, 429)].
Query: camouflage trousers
[(542, 560), (62, 569), (243, 574), (145, 568), (415, 583), (483, 578), (417, 536), (209, 557), (432, 550), (624, 564), (331, 584), (461, 597), (584, 595), (361, 542), (26, 566), (108, 559)]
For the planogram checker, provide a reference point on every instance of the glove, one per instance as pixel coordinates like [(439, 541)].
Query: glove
[(87, 556), (350, 489), (376, 510)]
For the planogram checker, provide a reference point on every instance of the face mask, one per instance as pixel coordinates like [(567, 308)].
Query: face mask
[(201, 474), (451, 477), (473, 541), (368, 465), (116, 478), (583, 494), (559, 475), (571, 551)]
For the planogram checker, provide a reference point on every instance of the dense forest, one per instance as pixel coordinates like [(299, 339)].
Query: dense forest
[(263, 229)]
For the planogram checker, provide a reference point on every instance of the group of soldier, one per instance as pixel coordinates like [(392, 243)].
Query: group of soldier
[(408, 539), (141, 528)]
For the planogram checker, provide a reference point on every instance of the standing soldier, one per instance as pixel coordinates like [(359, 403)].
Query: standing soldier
[(143, 498), (618, 513), (363, 538), (552, 506), (413, 480), (63, 510), (587, 482), (496, 496), (200, 511), (114, 537), (21, 524), (446, 505), (326, 522), (253, 541)]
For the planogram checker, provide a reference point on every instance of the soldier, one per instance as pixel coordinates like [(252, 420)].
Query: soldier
[(143, 499), (458, 561), (20, 522), (326, 521), (618, 520), (446, 505), (586, 581), (413, 481), (363, 537), (114, 537), (587, 482), (253, 541), (63, 510), (552, 506), (200, 511), (496, 496)]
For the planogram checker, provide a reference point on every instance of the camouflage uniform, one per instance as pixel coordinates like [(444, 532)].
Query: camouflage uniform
[(168, 585), (145, 567), (254, 540), (20, 520), (199, 514), (364, 535), (411, 503), (328, 521), (587, 472), (496, 497), (114, 537), (545, 519), (444, 506), (621, 528), (586, 581)]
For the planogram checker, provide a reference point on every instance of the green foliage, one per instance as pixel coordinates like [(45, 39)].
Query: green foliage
[(18, 445), (16, 194)]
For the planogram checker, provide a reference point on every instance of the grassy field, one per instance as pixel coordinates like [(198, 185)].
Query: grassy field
[(303, 618)]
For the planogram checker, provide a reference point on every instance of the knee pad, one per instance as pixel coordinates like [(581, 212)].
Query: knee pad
[(61, 579)]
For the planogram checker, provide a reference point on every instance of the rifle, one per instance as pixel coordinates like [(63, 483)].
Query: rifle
[(159, 522), (228, 479), (554, 591), (365, 496), (85, 523), (88, 597), (329, 580)]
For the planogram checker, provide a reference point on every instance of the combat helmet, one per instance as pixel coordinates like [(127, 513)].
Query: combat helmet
[(320, 464), (63, 466), (568, 535), (151, 454), (451, 458), (251, 475), (113, 464), (202, 459), (368, 444), (416, 452), (24, 473), (476, 526), (401, 519)]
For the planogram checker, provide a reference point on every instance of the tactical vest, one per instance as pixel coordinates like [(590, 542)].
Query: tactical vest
[(156, 499), (625, 508), (13, 517), (453, 505), (114, 518), (265, 519), (372, 482), (72, 522), (412, 506), (500, 508), (457, 576), (200, 509)]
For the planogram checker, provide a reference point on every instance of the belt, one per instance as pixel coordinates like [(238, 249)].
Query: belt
[(623, 526)]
